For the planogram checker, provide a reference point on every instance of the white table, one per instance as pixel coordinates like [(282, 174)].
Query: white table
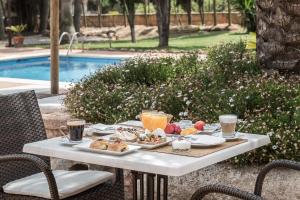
[(145, 161)]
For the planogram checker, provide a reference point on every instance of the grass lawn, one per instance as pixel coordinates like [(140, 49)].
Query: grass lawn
[(186, 42), (196, 41)]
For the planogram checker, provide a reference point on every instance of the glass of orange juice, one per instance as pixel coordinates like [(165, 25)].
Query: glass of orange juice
[(152, 120)]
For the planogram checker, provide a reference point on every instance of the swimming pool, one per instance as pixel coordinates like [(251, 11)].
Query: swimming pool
[(72, 69)]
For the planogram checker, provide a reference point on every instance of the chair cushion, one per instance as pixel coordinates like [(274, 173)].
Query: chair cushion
[(69, 183)]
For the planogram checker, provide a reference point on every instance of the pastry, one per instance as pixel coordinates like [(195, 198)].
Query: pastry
[(117, 146), (189, 131), (99, 144)]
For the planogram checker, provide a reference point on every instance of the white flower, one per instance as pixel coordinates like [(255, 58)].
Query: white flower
[(188, 102), (180, 114), (231, 100), (161, 95), (270, 134), (274, 147), (185, 114), (185, 98)]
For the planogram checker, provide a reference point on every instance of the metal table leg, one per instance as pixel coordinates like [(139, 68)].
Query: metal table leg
[(164, 179), (161, 186), (150, 186)]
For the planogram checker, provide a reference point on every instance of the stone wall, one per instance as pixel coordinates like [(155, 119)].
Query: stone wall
[(181, 19)]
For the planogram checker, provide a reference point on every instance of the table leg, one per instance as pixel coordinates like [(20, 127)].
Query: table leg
[(164, 179), (134, 184), (150, 186), (161, 186)]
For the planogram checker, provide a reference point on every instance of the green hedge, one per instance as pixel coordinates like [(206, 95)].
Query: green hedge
[(228, 81)]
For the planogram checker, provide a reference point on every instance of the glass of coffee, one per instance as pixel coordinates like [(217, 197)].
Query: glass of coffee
[(75, 128), (228, 124)]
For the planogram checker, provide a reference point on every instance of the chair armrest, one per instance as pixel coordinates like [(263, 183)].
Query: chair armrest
[(275, 164), (217, 188), (38, 163)]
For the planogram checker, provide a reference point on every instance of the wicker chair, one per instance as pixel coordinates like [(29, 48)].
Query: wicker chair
[(234, 192), (21, 123)]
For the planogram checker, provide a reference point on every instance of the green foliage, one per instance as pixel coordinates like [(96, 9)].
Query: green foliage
[(228, 81), (251, 41), (248, 9), (17, 28)]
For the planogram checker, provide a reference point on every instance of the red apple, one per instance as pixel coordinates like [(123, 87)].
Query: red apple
[(199, 125), (170, 129), (177, 130)]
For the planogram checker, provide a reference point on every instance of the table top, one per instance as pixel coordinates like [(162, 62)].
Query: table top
[(145, 161)]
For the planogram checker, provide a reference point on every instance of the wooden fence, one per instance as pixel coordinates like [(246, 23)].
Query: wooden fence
[(92, 20)]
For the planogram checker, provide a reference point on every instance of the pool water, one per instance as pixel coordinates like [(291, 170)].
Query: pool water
[(72, 69)]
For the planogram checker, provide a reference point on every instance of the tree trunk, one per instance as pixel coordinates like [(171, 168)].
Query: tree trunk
[(163, 9), (99, 13), (278, 35), (189, 11), (145, 12), (44, 15), (201, 10), (2, 35), (229, 12), (67, 24), (77, 14), (130, 12), (215, 12)]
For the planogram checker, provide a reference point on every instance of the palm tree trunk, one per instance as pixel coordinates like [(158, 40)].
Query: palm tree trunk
[(163, 10), (67, 24), (229, 12), (2, 35), (201, 10), (44, 15), (278, 35), (77, 14), (130, 13), (145, 12), (189, 11), (215, 12), (99, 6)]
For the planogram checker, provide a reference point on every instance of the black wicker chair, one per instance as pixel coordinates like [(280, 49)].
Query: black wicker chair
[(21, 123), (234, 192)]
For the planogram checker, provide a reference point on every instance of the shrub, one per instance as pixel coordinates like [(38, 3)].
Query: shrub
[(228, 81)]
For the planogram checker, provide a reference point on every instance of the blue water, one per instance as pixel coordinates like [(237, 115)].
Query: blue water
[(72, 69)]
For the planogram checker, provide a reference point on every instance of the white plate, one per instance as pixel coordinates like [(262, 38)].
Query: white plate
[(237, 136), (205, 140), (134, 123), (65, 141), (144, 146), (86, 147), (152, 146)]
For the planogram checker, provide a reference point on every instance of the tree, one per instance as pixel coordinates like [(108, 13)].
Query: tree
[(129, 6), (229, 12), (44, 15), (201, 10), (66, 24), (77, 14), (2, 35), (248, 10), (187, 6), (215, 12), (163, 10), (278, 35)]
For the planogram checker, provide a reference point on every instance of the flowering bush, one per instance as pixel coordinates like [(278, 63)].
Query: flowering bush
[(228, 81)]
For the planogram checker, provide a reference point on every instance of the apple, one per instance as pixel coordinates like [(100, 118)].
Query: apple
[(170, 129), (199, 125), (177, 130)]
